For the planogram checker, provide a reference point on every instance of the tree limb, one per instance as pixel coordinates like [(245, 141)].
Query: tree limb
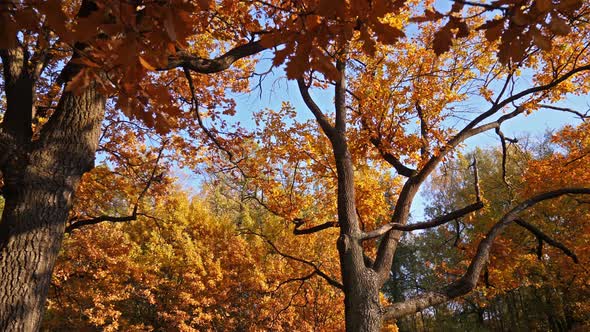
[(18, 88), (544, 237), (400, 168), (208, 66), (422, 225), (195, 106), (340, 97), (581, 115), (468, 281), (77, 224), (314, 108), (423, 131), (303, 278), (299, 222), (330, 280)]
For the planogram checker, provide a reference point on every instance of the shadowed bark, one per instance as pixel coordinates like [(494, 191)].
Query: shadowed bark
[(38, 197)]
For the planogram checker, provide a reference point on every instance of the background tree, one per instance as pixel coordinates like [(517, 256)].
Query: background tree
[(191, 266), (525, 285)]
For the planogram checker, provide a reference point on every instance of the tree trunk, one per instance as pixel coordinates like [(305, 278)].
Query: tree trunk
[(362, 307), (40, 180), (361, 291)]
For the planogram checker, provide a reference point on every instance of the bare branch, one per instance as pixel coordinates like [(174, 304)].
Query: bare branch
[(195, 105), (544, 237), (208, 66), (476, 180), (423, 225), (299, 222), (303, 278), (470, 129), (314, 108), (468, 281), (503, 140), (482, 5), (583, 116)]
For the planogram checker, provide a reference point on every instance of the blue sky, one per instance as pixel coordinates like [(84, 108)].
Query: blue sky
[(276, 89)]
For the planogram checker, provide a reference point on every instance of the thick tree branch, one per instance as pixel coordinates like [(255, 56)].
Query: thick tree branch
[(388, 246), (315, 109), (96, 220), (468, 281), (400, 168), (18, 87), (340, 97), (544, 237), (208, 66), (314, 229), (423, 131), (423, 225)]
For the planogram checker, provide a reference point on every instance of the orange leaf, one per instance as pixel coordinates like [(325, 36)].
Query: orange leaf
[(443, 39), (386, 33), (559, 26), (493, 29), (543, 5), (146, 64), (169, 25), (543, 42)]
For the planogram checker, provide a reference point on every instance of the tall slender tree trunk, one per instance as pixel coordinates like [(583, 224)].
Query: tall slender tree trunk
[(40, 178), (361, 291)]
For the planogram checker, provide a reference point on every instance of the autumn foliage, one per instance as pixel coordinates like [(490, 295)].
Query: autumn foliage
[(190, 266), (104, 100), (527, 262)]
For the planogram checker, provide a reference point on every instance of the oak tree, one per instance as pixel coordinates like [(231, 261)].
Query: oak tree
[(64, 60)]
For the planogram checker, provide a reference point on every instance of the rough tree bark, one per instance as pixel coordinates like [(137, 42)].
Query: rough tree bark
[(361, 291), (360, 282), (40, 178), (42, 174)]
